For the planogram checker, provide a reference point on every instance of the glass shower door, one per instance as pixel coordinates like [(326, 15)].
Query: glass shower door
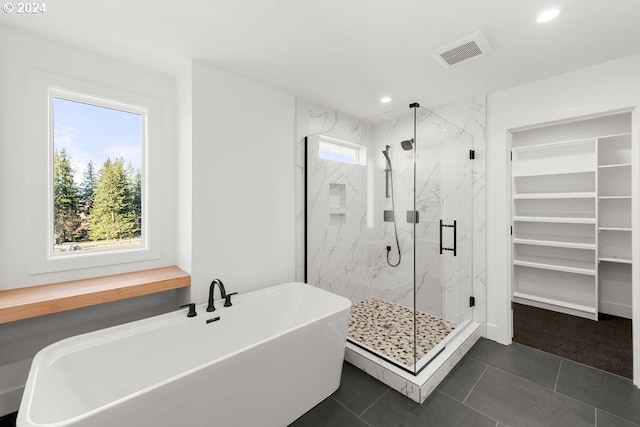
[(458, 207), (443, 268)]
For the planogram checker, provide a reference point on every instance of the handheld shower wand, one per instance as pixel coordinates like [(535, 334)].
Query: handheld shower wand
[(387, 171), (389, 186)]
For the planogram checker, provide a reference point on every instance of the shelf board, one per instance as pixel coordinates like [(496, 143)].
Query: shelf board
[(546, 263), (552, 301), (614, 228), (574, 195), (552, 144), (618, 260), (619, 165), (555, 244), (565, 220), (614, 135), (555, 237), (528, 175), (614, 197)]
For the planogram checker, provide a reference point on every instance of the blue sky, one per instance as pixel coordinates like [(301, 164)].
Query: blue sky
[(91, 133)]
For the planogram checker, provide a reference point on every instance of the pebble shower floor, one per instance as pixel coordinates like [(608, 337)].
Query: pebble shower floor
[(387, 328)]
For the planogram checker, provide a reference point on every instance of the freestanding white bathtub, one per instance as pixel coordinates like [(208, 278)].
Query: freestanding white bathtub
[(271, 357)]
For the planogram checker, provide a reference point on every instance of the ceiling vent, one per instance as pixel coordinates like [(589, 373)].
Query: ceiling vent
[(471, 46)]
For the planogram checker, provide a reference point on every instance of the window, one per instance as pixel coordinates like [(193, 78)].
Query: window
[(63, 112), (341, 151), (97, 175)]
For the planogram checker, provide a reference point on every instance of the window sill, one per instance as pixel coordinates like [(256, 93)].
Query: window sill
[(24, 303)]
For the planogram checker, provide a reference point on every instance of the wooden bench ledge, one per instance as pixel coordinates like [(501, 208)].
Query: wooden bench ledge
[(24, 303)]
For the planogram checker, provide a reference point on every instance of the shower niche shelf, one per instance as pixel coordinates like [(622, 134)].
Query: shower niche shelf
[(571, 216), (337, 204)]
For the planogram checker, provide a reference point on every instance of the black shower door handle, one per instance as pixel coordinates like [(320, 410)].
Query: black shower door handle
[(455, 237)]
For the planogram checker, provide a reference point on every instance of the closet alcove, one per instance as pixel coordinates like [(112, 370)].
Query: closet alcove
[(571, 221)]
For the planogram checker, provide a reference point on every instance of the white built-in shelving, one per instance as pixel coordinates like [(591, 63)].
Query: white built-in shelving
[(560, 219), (554, 243), (614, 228), (621, 165), (552, 300), (577, 195), (571, 216)]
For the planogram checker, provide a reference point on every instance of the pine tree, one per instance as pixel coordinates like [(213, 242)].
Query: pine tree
[(88, 185), (66, 198), (87, 188), (112, 215), (136, 200)]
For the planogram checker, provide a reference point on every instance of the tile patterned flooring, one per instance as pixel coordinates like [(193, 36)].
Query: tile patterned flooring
[(493, 385), (387, 328)]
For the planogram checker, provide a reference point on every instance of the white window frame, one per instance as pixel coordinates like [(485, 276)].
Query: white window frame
[(360, 151), (104, 103), (43, 87)]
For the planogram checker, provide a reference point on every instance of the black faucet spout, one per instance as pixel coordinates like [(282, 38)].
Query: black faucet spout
[(212, 286)]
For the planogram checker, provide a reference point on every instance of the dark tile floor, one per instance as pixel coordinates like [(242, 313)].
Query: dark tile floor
[(8, 420), (494, 385)]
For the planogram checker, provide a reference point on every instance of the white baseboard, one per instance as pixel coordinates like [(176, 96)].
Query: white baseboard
[(497, 334), (615, 309)]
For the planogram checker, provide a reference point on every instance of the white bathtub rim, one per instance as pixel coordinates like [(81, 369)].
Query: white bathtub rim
[(37, 360), (138, 326)]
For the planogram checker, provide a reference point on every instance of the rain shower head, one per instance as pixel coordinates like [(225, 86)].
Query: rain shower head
[(407, 144)]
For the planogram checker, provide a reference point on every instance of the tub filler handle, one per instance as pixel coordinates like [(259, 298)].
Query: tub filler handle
[(227, 300), (192, 309)]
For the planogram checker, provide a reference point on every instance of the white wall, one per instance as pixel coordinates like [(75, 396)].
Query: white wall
[(605, 87), (243, 171), (184, 175), (228, 197), (20, 53)]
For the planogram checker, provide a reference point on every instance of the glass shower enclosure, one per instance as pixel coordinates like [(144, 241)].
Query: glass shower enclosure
[(388, 224)]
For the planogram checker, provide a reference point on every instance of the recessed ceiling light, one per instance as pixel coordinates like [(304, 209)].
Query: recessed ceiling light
[(385, 100), (548, 15)]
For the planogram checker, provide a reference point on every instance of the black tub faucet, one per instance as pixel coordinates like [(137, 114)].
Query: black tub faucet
[(212, 286)]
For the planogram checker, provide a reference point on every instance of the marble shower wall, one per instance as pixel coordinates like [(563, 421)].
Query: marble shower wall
[(337, 231), (393, 283), (350, 258), (442, 191), (312, 119)]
